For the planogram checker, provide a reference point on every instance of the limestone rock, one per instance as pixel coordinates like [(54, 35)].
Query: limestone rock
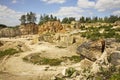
[(90, 50), (51, 26), (28, 29), (9, 32)]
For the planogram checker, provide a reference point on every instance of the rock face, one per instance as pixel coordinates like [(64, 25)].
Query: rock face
[(51, 26), (9, 32), (22, 30), (28, 29)]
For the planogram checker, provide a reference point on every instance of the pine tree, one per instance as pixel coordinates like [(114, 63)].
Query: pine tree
[(23, 19)]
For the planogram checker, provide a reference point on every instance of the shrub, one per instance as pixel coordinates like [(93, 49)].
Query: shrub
[(8, 52), (69, 71)]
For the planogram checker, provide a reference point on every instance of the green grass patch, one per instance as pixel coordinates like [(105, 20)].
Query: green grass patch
[(8, 52), (74, 58), (37, 59)]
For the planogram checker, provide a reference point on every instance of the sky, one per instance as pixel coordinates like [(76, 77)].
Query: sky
[(11, 10)]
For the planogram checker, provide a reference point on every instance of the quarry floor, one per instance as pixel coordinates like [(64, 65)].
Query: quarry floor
[(14, 68)]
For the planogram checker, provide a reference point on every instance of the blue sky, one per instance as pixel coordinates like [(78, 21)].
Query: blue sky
[(11, 10)]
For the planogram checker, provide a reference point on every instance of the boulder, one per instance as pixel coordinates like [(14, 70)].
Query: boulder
[(115, 58), (90, 50)]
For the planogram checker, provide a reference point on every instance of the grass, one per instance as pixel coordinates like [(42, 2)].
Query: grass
[(37, 59), (70, 71), (8, 52), (74, 58)]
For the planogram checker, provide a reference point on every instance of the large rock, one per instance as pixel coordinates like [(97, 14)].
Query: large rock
[(90, 50), (115, 58)]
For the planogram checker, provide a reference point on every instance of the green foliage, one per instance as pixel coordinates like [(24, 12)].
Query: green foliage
[(112, 73), (93, 33), (28, 18), (74, 58), (36, 59), (45, 18), (23, 19), (2, 26), (69, 71), (115, 76), (110, 19), (8, 52), (68, 20)]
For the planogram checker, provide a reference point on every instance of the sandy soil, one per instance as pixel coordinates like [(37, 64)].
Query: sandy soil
[(15, 68)]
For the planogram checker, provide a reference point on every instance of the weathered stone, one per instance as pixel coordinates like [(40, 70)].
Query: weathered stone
[(115, 58), (90, 50), (51, 26), (9, 32), (28, 29)]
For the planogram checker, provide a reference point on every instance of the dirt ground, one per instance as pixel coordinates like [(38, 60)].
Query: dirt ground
[(14, 68)]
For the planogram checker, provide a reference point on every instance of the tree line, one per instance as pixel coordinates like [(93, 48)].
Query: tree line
[(28, 18), (45, 18), (110, 19), (31, 18)]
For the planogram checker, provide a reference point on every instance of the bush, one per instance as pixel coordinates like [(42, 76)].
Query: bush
[(8, 52), (69, 72)]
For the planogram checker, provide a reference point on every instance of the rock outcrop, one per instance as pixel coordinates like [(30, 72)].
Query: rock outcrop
[(9, 32), (30, 28), (92, 49), (101, 69), (50, 26)]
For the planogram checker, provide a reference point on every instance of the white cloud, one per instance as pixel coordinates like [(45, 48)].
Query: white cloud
[(9, 16), (103, 5), (68, 12), (85, 3), (116, 13), (14, 1), (54, 1)]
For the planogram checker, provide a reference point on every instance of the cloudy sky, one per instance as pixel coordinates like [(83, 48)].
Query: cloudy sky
[(11, 10)]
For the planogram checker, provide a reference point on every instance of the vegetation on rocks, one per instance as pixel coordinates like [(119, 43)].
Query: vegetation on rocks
[(93, 33), (8, 52)]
